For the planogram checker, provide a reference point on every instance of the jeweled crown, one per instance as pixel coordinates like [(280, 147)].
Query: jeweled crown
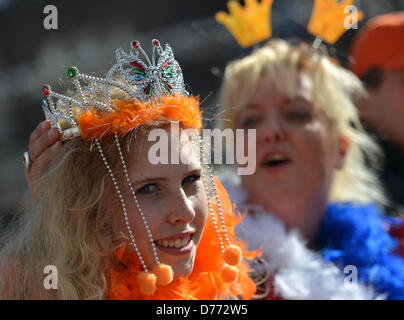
[(141, 79)]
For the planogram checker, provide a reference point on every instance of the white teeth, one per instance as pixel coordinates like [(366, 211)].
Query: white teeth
[(184, 241), (178, 243), (174, 243), (275, 156)]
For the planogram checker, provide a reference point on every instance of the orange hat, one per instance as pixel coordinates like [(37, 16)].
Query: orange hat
[(380, 44)]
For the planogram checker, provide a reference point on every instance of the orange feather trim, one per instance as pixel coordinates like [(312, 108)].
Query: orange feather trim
[(130, 114), (205, 281)]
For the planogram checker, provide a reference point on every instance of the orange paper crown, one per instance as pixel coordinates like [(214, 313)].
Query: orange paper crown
[(248, 25), (327, 19)]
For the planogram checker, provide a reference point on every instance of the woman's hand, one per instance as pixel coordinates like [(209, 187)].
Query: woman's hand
[(44, 143)]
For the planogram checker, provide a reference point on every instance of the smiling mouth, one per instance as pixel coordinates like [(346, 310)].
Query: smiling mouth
[(176, 243), (275, 160)]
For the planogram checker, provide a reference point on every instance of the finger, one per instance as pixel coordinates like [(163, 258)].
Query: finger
[(42, 162), (41, 128), (47, 139)]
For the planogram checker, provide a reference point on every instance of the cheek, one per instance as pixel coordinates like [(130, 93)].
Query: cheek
[(154, 221), (200, 205), (388, 100), (315, 152), (154, 214)]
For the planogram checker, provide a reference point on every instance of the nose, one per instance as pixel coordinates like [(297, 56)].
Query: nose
[(181, 210), (270, 130)]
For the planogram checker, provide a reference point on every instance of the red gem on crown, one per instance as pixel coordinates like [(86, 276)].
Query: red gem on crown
[(135, 44), (147, 89), (45, 90), (156, 43), (137, 65)]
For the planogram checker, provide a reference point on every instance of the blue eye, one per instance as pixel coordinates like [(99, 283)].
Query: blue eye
[(147, 189), (192, 178)]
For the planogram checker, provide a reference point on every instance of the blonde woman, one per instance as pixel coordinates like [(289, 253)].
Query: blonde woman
[(312, 200), (109, 222)]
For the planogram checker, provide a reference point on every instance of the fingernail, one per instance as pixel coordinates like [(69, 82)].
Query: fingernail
[(52, 133), (45, 124)]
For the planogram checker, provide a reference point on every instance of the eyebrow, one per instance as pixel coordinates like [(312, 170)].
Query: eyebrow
[(252, 106), (249, 106), (197, 170), (284, 101), (134, 182), (298, 98), (156, 179)]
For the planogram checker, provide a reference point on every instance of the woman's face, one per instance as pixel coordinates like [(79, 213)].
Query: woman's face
[(173, 201), (297, 151)]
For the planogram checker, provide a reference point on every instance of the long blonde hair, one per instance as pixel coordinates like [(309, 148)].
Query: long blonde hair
[(334, 90), (71, 227)]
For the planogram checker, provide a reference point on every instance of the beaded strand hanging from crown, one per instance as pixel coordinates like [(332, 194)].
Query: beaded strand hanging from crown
[(156, 90)]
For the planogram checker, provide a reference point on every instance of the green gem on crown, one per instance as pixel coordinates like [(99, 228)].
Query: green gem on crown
[(71, 72), (150, 91), (168, 72)]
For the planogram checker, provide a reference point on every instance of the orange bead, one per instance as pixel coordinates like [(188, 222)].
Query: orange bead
[(229, 273), (164, 274), (147, 283), (232, 255)]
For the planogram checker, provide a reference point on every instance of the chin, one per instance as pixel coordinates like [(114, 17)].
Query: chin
[(183, 268)]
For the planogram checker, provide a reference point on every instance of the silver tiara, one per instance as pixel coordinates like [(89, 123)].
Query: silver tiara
[(145, 79)]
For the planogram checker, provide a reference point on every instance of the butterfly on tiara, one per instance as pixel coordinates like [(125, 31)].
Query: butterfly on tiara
[(151, 78)]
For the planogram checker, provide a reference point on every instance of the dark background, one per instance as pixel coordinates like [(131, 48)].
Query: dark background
[(88, 33)]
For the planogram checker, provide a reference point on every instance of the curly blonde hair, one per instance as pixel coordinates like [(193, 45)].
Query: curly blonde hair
[(334, 90), (71, 227)]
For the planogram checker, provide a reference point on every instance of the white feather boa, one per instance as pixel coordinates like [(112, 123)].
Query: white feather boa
[(298, 272)]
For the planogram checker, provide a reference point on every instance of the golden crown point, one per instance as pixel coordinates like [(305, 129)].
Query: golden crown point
[(248, 25), (328, 18)]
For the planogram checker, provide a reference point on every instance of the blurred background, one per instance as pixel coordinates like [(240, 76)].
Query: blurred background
[(88, 33)]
